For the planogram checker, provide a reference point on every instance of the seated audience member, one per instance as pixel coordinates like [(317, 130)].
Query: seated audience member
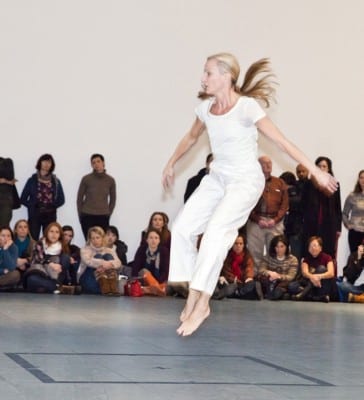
[(113, 242), (99, 267), (277, 269), (159, 221), (73, 251), (194, 182), (348, 291), (9, 276), (25, 244), (237, 274), (318, 276), (151, 263), (50, 263)]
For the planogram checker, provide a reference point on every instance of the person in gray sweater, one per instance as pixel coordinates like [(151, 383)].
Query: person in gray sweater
[(96, 196)]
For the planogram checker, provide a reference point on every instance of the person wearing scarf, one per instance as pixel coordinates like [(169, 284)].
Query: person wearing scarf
[(49, 266), (151, 263), (237, 274), (42, 195)]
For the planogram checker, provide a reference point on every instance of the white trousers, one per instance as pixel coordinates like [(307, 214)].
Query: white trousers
[(217, 209)]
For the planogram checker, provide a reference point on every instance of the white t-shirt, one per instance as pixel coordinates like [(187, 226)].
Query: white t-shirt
[(233, 135)]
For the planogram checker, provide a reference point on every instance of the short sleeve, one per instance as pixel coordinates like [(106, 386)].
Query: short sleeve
[(253, 111), (201, 110)]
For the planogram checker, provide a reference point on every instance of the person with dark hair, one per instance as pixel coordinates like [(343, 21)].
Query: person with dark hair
[(277, 269), (237, 275), (317, 282), (194, 182), (9, 197), (42, 195), (120, 247), (73, 251), (353, 213), (159, 221), (348, 290), (293, 220), (96, 196), (151, 263), (9, 276), (322, 211), (231, 116)]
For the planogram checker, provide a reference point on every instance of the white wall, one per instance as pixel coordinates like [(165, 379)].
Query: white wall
[(120, 78)]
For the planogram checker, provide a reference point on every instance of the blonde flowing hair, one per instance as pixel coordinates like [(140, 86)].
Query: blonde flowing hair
[(261, 88)]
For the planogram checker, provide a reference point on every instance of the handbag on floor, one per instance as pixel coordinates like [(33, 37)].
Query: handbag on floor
[(133, 288)]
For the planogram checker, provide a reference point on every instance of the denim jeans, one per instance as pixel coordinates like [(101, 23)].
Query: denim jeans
[(345, 288)]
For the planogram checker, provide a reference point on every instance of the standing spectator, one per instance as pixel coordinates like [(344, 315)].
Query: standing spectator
[(293, 220), (9, 197), (9, 276), (322, 211), (194, 182), (42, 195), (301, 173), (353, 214), (266, 219), (96, 196)]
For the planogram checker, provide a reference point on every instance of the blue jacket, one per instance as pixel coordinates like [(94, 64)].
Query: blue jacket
[(29, 195), (8, 258)]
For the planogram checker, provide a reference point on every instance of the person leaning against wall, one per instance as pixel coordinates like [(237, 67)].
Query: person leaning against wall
[(96, 196)]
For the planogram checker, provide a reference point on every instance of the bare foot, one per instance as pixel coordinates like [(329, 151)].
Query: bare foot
[(191, 301), (192, 323)]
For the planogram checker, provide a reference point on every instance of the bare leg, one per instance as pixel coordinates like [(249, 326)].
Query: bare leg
[(200, 312), (193, 296)]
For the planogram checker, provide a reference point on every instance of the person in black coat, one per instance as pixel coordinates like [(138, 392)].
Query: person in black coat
[(194, 182)]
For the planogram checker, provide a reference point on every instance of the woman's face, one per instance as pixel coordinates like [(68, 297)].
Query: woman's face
[(67, 236), (153, 240), (314, 248), (22, 230), (280, 249), (361, 181), (238, 246), (45, 166), (5, 237), (158, 222), (110, 238), (323, 166), (53, 235), (213, 80), (96, 239)]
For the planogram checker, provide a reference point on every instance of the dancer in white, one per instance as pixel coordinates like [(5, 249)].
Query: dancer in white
[(222, 203)]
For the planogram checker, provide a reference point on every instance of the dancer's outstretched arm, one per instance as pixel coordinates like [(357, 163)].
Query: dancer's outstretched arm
[(324, 179), (183, 146)]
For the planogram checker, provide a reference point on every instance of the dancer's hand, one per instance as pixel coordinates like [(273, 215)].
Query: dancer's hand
[(167, 177), (326, 180)]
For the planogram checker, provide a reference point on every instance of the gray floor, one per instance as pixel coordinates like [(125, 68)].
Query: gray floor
[(93, 347)]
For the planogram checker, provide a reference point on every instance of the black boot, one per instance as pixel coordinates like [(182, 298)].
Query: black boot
[(303, 293)]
